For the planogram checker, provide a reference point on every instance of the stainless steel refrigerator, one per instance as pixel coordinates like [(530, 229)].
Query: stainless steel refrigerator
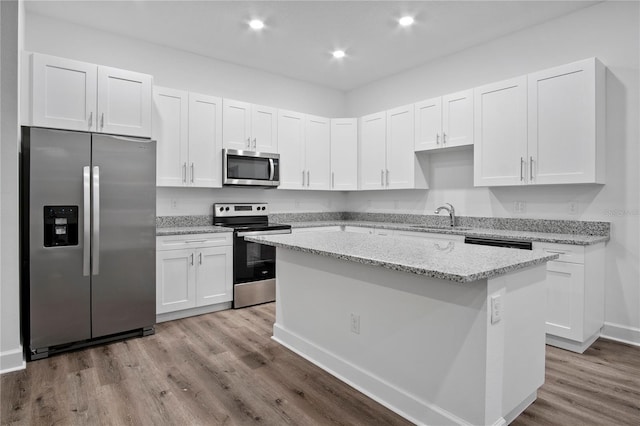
[(88, 211)]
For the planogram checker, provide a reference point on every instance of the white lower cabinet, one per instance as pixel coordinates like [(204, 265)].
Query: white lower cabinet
[(193, 273), (574, 310)]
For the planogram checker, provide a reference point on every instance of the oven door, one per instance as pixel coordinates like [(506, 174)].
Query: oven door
[(247, 168), (252, 261)]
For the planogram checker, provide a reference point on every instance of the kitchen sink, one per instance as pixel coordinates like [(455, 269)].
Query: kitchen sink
[(442, 228)]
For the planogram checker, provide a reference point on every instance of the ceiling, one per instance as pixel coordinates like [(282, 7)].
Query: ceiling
[(299, 36)]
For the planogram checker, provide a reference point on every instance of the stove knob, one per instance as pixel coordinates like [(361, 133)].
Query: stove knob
[(227, 209), (221, 208), (264, 208)]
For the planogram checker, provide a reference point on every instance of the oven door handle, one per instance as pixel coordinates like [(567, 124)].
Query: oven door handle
[(272, 169), (258, 233)]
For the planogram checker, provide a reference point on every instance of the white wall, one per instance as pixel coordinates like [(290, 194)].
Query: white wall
[(609, 31), (11, 356)]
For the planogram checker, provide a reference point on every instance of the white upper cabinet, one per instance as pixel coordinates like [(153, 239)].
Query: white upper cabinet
[(75, 95), (249, 127), (567, 123), (373, 151), (444, 122), (291, 137), (304, 146), (188, 131), (500, 148), (205, 141), (317, 152), (124, 102), (344, 154), (171, 133), (544, 128), (387, 157), (63, 93)]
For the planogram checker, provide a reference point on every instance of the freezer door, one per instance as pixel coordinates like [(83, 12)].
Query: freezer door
[(124, 234), (59, 285)]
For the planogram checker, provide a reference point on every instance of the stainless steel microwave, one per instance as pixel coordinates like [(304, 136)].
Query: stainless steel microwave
[(249, 168)]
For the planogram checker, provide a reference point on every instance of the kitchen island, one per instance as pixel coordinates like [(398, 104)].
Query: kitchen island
[(410, 322)]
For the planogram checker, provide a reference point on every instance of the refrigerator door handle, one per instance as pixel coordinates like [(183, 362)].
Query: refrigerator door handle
[(86, 235), (95, 246)]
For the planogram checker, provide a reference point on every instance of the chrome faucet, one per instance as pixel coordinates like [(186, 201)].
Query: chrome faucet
[(451, 210)]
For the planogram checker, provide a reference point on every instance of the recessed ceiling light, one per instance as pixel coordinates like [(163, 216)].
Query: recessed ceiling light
[(338, 54), (256, 24), (406, 21)]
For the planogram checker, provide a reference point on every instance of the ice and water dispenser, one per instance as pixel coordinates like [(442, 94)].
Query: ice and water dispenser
[(60, 226)]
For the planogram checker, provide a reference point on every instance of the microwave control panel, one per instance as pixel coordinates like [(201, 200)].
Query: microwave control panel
[(60, 226)]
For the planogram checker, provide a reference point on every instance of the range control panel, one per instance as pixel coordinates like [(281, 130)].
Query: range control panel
[(60, 226), (243, 209)]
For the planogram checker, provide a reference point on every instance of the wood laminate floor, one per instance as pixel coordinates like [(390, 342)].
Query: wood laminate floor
[(223, 369)]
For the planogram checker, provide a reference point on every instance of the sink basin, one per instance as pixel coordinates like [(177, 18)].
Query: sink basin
[(442, 228)]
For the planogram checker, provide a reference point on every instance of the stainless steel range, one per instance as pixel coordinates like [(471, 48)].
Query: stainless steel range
[(254, 265)]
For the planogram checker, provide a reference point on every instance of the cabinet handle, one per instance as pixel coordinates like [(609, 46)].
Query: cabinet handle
[(444, 138), (521, 169), (531, 168), (248, 142), (333, 179), (191, 172), (303, 178), (184, 173), (387, 177), (191, 259), (381, 177), (90, 119), (308, 179), (200, 258), (555, 251), (255, 143), (102, 120), (437, 138)]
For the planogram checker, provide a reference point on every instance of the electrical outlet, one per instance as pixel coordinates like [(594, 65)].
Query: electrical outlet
[(574, 208), (496, 308), (174, 204), (519, 206), (355, 323)]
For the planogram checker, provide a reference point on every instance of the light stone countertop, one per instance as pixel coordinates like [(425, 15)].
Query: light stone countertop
[(548, 237), (447, 260), (189, 230)]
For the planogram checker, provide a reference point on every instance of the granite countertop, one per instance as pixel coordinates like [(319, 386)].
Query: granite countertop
[(549, 237), (447, 260), (188, 230)]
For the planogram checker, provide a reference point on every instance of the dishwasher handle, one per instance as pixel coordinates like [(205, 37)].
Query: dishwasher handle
[(499, 242)]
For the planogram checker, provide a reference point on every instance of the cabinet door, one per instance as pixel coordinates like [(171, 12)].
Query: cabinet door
[(428, 131), (124, 102), (344, 154), (457, 119), (205, 141), (372, 151), (214, 275), (400, 151), (500, 133), (236, 125), (264, 129), (170, 110), (291, 149), (317, 152), (63, 94), (565, 300), (562, 124), (175, 280)]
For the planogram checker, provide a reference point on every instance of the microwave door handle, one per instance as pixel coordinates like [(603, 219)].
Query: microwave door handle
[(272, 169)]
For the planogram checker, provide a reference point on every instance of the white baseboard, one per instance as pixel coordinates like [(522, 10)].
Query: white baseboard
[(621, 333), (170, 316), (12, 360), (406, 405)]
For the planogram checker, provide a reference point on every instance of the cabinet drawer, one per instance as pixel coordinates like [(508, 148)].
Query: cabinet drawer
[(568, 252), (175, 242)]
